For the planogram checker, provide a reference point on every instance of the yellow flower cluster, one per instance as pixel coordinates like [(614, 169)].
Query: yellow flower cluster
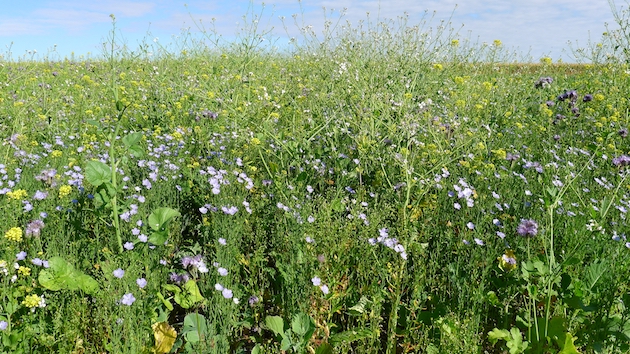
[(14, 234), (17, 194), (31, 301), (25, 271), (64, 191)]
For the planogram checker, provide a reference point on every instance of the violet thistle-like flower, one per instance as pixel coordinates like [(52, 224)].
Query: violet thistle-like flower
[(527, 228)]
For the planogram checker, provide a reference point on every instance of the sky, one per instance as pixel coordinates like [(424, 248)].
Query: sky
[(57, 29)]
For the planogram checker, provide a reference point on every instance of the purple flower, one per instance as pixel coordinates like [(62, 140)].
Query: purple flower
[(141, 282), (128, 299), (119, 273), (20, 256), (128, 246), (587, 98), (227, 293), (253, 300), (623, 132), (622, 160), (3, 325), (527, 228), (316, 281)]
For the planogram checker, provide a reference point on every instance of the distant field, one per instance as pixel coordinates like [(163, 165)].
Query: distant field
[(347, 200)]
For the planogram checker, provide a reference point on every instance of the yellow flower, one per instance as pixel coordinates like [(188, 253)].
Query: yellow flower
[(497, 43), (25, 271), (56, 153), (438, 66), (455, 42), (17, 194), (64, 191), (31, 301), (14, 234)]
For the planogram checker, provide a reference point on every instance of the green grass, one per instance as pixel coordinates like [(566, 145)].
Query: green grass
[(330, 146)]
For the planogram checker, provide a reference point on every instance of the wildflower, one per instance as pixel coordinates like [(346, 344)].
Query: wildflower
[(324, 289), (128, 246), (143, 238), (543, 82), (3, 325), (527, 228), (622, 160), (253, 300), (20, 256), (479, 242), (24, 271), (470, 226), (316, 281), (14, 234), (227, 293), (587, 98), (39, 195), (119, 273), (222, 271), (507, 261), (17, 194), (222, 241), (128, 299), (34, 228), (64, 191), (141, 282), (196, 262), (32, 301)]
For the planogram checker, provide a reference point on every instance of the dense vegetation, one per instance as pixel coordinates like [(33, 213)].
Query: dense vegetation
[(355, 195)]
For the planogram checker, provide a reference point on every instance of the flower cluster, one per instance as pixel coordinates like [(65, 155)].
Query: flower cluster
[(14, 234), (390, 242)]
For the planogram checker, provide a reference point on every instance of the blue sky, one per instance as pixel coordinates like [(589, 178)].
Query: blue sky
[(540, 27)]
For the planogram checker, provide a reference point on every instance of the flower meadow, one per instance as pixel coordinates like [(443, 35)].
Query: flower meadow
[(339, 197)]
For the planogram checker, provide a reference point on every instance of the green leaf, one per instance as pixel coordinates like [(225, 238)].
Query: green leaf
[(61, 275), (97, 173), (131, 139), (324, 348), (337, 205), (303, 325), (136, 151), (594, 273), (256, 349), (275, 324), (350, 336), (189, 296), (359, 308), (158, 238), (195, 328), (166, 303), (498, 334), (160, 217)]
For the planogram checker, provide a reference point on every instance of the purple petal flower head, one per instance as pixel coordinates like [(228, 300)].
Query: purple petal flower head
[(587, 98), (141, 282), (3, 325), (620, 161), (128, 299), (253, 300), (527, 228), (623, 132), (119, 273), (34, 227), (128, 246), (227, 293), (543, 82)]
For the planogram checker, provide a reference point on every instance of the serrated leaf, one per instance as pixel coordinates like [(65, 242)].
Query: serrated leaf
[(359, 308), (594, 273), (97, 173), (165, 336), (275, 324)]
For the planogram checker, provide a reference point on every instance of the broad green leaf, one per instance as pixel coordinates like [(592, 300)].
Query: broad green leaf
[(195, 328), (303, 325), (158, 237), (97, 173), (498, 334), (166, 303), (136, 151), (189, 295), (286, 341), (160, 217), (131, 139), (275, 324), (256, 349), (165, 336), (61, 275), (324, 348)]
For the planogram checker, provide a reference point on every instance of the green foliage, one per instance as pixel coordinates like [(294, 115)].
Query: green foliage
[(62, 275)]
